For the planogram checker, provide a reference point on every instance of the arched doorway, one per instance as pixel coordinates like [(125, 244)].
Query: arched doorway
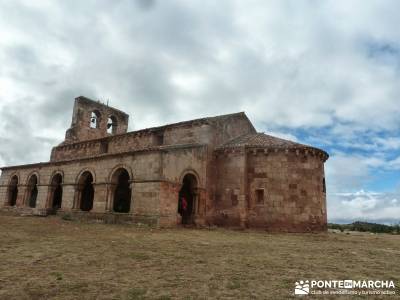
[(32, 191), (86, 191), (187, 196), (56, 192), (122, 193), (13, 191)]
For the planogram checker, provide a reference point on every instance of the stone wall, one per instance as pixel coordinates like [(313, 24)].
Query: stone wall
[(278, 191), (151, 173), (286, 191), (212, 133), (229, 127), (229, 198), (82, 121)]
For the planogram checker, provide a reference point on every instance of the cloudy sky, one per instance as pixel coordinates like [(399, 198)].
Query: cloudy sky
[(326, 73)]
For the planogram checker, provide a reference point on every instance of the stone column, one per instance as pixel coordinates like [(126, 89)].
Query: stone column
[(110, 196), (199, 202), (49, 198), (21, 195), (132, 198), (42, 196), (243, 209), (99, 199), (195, 202), (68, 196), (3, 195), (76, 199)]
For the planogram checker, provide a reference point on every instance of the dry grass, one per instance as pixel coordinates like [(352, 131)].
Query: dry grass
[(49, 258)]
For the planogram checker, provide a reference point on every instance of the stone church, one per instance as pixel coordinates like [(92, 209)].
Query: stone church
[(209, 171)]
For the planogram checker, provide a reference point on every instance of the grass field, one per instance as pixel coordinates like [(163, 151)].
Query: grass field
[(49, 258)]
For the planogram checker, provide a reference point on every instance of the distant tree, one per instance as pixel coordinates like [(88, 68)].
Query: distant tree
[(367, 227)]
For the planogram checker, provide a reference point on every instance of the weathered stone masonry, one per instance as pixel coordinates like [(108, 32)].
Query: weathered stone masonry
[(210, 171)]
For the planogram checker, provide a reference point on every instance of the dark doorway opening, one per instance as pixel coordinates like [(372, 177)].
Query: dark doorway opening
[(122, 193), (32, 191), (186, 200), (13, 191), (87, 192), (57, 191)]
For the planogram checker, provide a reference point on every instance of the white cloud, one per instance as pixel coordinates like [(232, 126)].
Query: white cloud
[(364, 205), (388, 143), (283, 135), (347, 175), (346, 172)]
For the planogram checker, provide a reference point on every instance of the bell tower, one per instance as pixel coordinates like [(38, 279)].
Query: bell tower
[(94, 120)]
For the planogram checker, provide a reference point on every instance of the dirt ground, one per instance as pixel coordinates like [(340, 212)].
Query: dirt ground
[(51, 258)]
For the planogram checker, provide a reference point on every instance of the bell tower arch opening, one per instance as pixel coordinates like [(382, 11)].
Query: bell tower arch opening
[(95, 117), (112, 125), (94, 120)]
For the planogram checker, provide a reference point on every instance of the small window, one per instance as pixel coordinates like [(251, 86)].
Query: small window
[(234, 199), (260, 196), (160, 139), (323, 185), (104, 147), (95, 119), (112, 125)]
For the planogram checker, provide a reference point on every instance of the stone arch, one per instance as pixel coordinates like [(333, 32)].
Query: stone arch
[(13, 176), (32, 189), (191, 172), (85, 197), (90, 170), (120, 189), (112, 124), (36, 173), (55, 190), (95, 118), (56, 172), (12, 191), (120, 166), (188, 197)]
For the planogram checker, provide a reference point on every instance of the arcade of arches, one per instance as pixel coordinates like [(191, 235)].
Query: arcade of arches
[(120, 193)]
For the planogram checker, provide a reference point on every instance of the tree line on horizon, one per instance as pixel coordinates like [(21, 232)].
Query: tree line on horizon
[(366, 227)]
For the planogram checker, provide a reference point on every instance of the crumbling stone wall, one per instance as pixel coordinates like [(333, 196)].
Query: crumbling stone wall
[(82, 120)]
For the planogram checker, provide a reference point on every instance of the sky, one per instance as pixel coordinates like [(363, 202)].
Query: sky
[(324, 73)]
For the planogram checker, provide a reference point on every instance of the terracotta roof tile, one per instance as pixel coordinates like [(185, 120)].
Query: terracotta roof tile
[(262, 140)]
